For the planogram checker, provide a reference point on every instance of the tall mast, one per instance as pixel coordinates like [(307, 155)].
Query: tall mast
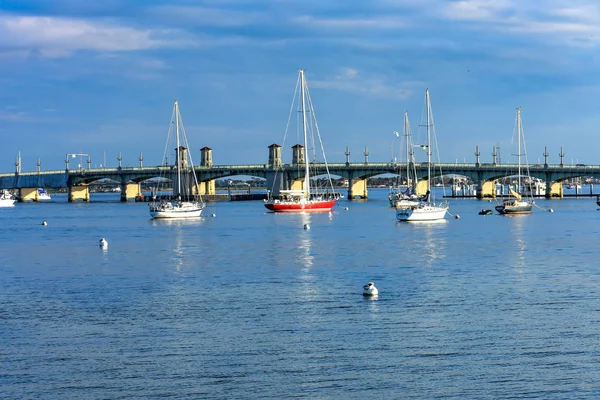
[(177, 150), (428, 140), (406, 138), (519, 149), (306, 166)]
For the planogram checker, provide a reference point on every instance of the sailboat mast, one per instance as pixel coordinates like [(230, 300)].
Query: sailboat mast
[(177, 150), (306, 166), (519, 149), (406, 138), (428, 140)]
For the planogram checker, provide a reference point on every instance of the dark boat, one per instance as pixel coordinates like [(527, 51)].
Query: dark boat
[(486, 212)]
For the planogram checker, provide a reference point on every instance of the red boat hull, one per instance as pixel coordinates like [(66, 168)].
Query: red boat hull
[(312, 206)]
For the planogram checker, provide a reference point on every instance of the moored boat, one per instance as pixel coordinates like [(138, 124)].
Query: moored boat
[(426, 209), (307, 196), (515, 204), (6, 199), (184, 200)]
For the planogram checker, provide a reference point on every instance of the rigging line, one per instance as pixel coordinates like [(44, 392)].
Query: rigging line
[(314, 118), (287, 125), (169, 132), (189, 154)]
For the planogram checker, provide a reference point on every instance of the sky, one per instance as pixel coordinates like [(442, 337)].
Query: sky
[(100, 77)]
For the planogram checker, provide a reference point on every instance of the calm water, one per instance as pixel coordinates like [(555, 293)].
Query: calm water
[(250, 305)]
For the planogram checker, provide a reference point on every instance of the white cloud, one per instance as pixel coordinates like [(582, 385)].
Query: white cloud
[(59, 37), (374, 22), (349, 80)]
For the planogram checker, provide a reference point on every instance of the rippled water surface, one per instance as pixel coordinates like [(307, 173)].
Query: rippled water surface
[(248, 304)]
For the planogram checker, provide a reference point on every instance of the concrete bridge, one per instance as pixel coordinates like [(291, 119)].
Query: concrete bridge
[(357, 174)]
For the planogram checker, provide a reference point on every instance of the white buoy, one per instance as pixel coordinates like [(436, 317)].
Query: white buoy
[(370, 290), (346, 208), (306, 226), (550, 210), (103, 243), (44, 223), (213, 215), (457, 216)]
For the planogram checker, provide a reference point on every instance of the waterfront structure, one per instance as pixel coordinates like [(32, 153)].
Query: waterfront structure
[(485, 175)]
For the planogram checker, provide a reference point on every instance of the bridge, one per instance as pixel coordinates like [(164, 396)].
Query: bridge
[(483, 174), (129, 178)]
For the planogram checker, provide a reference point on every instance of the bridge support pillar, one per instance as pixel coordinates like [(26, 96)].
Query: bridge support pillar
[(487, 190), (358, 188), (129, 191), (554, 190), (421, 188), (297, 184), (26, 194), (79, 192), (207, 187)]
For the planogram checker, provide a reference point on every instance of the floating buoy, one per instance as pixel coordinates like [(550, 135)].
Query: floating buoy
[(306, 226), (370, 290), (346, 208), (103, 243), (213, 215), (44, 223), (550, 210), (457, 216)]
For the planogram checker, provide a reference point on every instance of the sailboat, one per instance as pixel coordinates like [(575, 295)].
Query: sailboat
[(6, 199), (515, 204), (426, 209), (399, 196), (184, 200), (309, 197)]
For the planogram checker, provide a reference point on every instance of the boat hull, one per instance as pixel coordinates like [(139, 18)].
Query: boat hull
[(7, 203), (305, 206), (421, 213), (519, 207), (175, 210)]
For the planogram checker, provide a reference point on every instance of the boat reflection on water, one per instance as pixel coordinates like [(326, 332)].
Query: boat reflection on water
[(429, 237)]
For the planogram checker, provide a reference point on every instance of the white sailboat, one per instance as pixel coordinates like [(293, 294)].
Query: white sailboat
[(402, 196), (426, 209), (310, 197), (184, 201), (515, 204), (6, 199)]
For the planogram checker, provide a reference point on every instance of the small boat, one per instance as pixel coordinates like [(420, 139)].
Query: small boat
[(426, 209), (184, 200), (6, 199), (307, 197), (486, 212), (43, 195), (515, 204)]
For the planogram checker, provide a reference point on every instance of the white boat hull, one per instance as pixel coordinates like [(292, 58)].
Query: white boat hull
[(175, 210), (421, 213), (7, 203)]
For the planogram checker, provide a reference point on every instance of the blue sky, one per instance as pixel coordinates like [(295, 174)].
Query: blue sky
[(101, 76)]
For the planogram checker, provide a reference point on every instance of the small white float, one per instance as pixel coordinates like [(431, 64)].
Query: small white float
[(103, 243), (370, 290)]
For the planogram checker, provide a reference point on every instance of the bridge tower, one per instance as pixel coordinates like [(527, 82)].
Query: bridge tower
[(275, 180), (298, 154), (206, 160)]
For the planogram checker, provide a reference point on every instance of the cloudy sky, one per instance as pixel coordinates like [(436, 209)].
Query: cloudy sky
[(100, 76)]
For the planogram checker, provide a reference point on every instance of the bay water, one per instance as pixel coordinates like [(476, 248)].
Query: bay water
[(249, 304)]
